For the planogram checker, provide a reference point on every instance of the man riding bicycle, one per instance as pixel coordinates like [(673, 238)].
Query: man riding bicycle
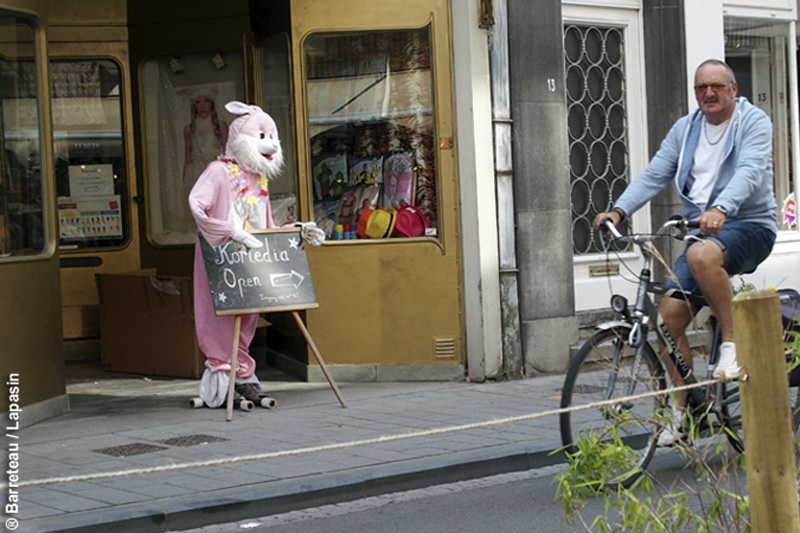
[(720, 159)]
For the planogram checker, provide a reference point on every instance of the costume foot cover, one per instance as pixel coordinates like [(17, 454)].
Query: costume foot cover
[(254, 393)]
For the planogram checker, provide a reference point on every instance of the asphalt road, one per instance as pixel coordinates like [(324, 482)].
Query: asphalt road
[(521, 502)]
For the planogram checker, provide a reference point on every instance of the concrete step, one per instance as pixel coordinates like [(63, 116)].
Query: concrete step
[(699, 340)]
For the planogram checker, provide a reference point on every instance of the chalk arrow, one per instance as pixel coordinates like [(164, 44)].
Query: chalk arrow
[(294, 279)]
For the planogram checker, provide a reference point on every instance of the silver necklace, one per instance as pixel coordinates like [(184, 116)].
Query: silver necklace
[(720, 136)]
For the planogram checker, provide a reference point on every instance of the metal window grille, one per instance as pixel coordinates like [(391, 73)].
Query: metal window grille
[(597, 124)]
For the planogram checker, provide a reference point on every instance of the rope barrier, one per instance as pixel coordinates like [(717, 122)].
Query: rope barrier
[(351, 444)]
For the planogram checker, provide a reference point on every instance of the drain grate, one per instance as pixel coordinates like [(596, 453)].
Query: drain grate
[(191, 440), (126, 450)]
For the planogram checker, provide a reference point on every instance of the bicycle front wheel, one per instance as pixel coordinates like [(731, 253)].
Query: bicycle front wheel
[(604, 370)]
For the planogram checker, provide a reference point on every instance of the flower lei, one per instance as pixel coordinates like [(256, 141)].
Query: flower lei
[(263, 182)]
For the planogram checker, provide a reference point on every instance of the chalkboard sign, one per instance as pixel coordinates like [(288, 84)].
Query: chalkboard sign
[(274, 277)]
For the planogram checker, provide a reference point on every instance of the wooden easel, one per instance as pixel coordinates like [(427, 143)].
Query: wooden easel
[(234, 355), (318, 356), (237, 326), (276, 280)]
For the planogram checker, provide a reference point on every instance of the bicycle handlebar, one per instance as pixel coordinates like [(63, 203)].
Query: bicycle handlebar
[(677, 222), (680, 223)]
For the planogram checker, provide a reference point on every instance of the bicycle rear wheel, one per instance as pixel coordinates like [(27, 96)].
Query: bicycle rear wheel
[(794, 403), (606, 368), (730, 415)]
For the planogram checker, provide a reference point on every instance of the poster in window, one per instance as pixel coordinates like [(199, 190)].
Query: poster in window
[(346, 206), (366, 198), (398, 179), (88, 217), (329, 176), (325, 217), (366, 170)]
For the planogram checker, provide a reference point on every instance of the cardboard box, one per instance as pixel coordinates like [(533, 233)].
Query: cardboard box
[(147, 325)]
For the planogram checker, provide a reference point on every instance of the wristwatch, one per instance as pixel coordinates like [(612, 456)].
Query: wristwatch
[(720, 209)]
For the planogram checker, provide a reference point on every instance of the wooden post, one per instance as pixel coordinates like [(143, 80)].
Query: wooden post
[(234, 356), (324, 368), (766, 413)]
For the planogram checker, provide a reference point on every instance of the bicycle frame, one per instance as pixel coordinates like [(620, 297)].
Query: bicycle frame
[(645, 313)]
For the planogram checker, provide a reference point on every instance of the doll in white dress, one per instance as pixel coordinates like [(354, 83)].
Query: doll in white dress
[(204, 137)]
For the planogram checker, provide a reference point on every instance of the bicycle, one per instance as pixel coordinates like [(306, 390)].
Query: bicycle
[(620, 360)]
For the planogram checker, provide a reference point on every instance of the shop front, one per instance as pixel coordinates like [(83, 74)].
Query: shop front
[(364, 104), (111, 109)]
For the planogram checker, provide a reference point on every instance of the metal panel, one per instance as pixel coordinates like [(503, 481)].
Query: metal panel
[(30, 320), (108, 36), (385, 302)]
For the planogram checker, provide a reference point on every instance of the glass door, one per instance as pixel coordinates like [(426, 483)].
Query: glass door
[(758, 51)]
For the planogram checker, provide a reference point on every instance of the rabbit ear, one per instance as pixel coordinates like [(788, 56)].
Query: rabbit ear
[(238, 108)]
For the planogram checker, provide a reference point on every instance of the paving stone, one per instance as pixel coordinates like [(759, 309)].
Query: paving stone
[(308, 416)]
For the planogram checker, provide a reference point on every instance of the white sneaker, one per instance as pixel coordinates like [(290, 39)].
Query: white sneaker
[(672, 433), (727, 368)]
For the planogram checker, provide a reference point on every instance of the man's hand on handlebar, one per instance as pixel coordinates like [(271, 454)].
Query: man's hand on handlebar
[(615, 216), (605, 223)]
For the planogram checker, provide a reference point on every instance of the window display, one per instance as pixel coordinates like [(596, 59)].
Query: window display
[(22, 215), (371, 123), (186, 127)]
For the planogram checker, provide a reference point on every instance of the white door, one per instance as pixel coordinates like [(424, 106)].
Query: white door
[(607, 138)]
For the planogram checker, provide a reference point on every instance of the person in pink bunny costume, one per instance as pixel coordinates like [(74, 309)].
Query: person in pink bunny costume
[(231, 198)]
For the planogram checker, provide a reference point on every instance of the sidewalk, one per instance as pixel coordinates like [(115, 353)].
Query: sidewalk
[(127, 422)]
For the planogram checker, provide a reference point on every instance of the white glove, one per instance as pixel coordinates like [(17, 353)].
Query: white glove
[(247, 239), (311, 233)]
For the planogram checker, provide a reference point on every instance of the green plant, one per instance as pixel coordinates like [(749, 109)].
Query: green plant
[(743, 286), (591, 471), (713, 504), (792, 350)]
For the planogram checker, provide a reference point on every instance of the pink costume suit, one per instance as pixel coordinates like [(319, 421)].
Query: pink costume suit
[(211, 201)]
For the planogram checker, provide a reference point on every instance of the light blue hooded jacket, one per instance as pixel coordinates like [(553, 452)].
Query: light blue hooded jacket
[(744, 182)]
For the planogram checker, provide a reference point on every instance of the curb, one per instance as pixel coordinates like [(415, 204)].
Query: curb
[(261, 499)]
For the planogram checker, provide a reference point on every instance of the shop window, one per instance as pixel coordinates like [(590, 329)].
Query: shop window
[(274, 78), (185, 128), (371, 126), (758, 51), (22, 192), (91, 183)]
